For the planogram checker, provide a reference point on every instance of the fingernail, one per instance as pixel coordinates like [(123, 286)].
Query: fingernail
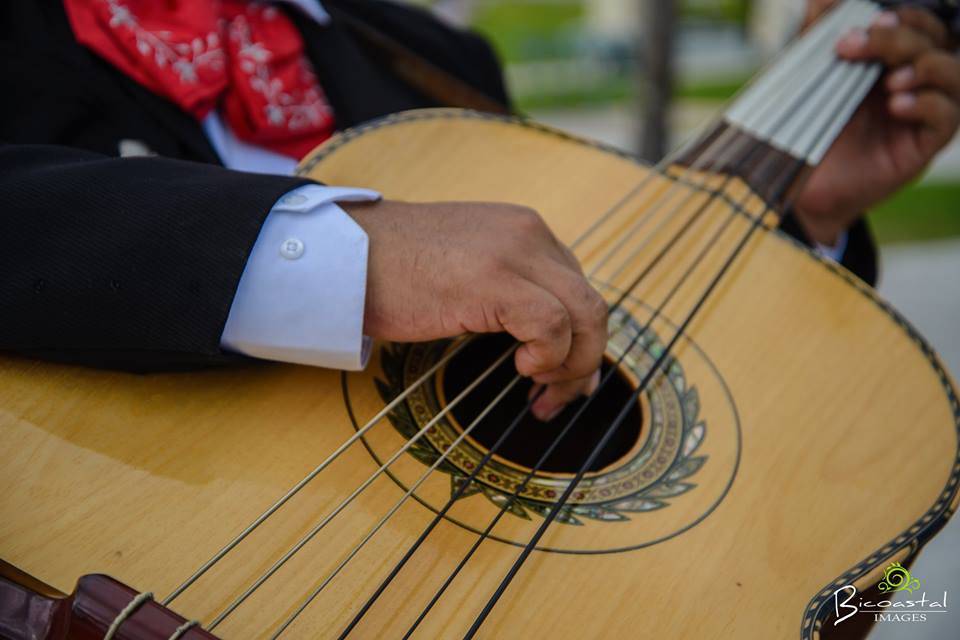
[(542, 413), (903, 102), (886, 19), (855, 38), (902, 78), (541, 409), (545, 411), (594, 383), (544, 378)]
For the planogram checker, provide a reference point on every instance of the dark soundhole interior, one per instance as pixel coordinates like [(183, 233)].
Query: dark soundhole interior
[(532, 438)]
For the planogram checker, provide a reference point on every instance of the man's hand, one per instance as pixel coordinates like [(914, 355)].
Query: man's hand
[(911, 115), (443, 269)]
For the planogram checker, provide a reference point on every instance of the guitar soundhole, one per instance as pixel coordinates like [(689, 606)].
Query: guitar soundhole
[(532, 438)]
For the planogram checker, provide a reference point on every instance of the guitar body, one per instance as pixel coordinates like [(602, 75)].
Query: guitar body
[(804, 438)]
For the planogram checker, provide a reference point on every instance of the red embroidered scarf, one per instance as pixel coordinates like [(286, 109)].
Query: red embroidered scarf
[(245, 58)]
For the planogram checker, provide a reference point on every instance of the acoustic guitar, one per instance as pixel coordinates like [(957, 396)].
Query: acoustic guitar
[(767, 431)]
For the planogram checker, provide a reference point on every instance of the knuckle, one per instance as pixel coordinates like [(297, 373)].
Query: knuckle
[(923, 20), (901, 42), (527, 219), (895, 45), (925, 67), (937, 68), (490, 271), (582, 366), (598, 308), (942, 109), (502, 312), (555, 321), (495, 263)]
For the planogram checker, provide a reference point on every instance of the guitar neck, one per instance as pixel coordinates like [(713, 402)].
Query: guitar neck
[(793, 112)]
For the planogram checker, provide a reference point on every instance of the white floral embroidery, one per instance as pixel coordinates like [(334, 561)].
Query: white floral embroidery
[(293, 111), (184, 58), (283, 109)]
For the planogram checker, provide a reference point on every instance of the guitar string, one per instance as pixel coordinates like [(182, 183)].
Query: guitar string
[(730, 153), (423, 477), (389, 407), (504, 509), (303, 541), (313, 532), (546, 455), (846, 11), (406, 557), (857, 74), (825, 32), (723, 142), (360, 489), (384, 519), (385, 411), (356, 549), (700, 134), (298, 546), (316, 592), (655, 171), (367, 538), (295, 489)]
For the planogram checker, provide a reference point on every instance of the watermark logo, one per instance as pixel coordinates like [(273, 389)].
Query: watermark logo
[(896, 578)]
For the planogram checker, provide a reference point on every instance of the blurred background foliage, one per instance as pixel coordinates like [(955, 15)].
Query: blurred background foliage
[(579, 64)]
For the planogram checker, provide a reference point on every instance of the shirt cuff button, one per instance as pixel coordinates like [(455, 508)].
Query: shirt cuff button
[(291, 248)]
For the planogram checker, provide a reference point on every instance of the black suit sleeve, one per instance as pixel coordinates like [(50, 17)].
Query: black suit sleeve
[(860, 255), (127, 263)]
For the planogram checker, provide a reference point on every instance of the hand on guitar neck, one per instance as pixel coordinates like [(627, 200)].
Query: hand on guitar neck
[(913, 112), (438, 270)]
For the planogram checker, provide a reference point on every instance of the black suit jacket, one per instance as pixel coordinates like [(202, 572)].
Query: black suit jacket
[(134, 262)]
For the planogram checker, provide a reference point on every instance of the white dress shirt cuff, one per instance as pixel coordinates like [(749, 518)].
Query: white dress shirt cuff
[(835, 252), (301, 295)]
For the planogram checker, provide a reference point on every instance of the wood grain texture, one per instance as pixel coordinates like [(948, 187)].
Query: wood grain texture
[(833, 425)]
